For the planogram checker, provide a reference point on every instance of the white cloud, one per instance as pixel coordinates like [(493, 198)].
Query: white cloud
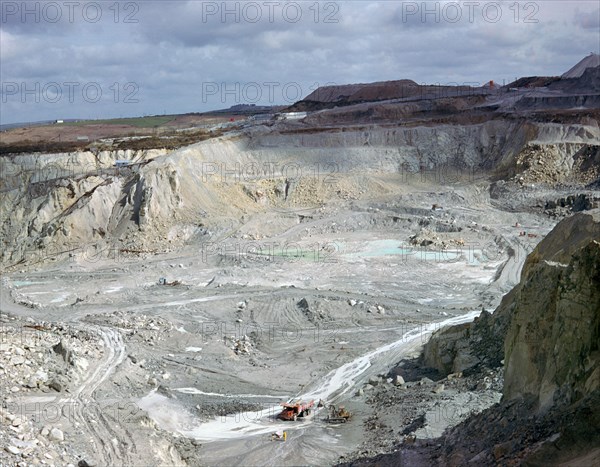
[(11, 46)]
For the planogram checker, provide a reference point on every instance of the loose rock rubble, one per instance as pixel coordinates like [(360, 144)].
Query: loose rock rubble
[(47, 357), (413, 402), (40, 358), (242, 346)]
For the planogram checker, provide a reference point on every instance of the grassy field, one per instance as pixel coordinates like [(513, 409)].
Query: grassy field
[(139, 122)]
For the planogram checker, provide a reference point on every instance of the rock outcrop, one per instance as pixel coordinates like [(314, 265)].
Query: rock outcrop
[(467, 347), (547, 329), (552, 346)]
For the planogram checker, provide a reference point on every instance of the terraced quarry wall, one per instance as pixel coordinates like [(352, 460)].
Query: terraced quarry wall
[(55, 201)]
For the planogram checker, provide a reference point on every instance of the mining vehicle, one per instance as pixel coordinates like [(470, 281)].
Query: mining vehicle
[(338, 414), (294, 409)]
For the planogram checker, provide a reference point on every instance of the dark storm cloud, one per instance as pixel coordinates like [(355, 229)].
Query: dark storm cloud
[(194, 56)]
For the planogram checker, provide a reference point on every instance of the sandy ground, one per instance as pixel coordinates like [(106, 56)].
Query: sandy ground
[(196, 371)]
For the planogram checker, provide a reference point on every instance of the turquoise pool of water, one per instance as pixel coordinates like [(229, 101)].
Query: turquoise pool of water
[(378, 248)]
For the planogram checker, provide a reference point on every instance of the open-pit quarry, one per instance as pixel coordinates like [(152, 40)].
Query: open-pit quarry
[(158, 313)]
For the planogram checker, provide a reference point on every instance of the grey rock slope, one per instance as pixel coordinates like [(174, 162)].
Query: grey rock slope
[(53, 203), (552, 346), (591, 61), (547, 329)]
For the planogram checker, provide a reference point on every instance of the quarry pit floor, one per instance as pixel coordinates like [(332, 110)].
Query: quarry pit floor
[(316, 311)]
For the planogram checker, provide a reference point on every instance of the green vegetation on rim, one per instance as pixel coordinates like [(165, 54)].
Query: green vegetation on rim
[(139, 122)]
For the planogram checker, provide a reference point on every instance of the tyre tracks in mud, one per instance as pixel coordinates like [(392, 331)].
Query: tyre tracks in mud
[(112, 441)]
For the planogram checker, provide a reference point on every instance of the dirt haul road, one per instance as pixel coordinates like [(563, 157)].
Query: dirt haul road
[(309, 440), (209, 360)]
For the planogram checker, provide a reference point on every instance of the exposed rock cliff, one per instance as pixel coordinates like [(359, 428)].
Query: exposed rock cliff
[(467, 347), (55, 203), (547, 329), (552, 347)]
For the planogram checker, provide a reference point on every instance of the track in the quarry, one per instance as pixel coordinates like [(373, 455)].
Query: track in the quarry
[(334, 387), (112, 441)]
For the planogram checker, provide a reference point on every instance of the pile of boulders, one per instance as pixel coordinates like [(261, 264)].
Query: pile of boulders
[(44, 357), (376, 309), (313, 311), (148, 329), (426, 239), (25, 444), (241, 346), (549, 165), (38, 357)]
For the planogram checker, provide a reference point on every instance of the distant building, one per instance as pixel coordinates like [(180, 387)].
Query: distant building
[(261, 117), (59, 121), (291, 115)]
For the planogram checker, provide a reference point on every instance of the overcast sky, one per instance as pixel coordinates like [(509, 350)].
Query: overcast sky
[(78, 59)]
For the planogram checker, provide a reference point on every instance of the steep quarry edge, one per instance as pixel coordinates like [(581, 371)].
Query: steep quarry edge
[(552, 345), (51, 205), (545, 338), (547, 330)]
